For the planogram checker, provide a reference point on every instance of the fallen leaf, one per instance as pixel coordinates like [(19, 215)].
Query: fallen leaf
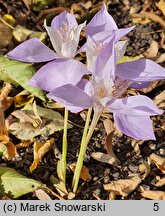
[(24, 129), (19, 73), (23, 98), (39, 150), (24, 144), (105, 158), (135, 144), (161, 6), (8, 149), (5, 101), (108, 125), (161, 58), (21, 34), (160, 100), (160, 183), (42, 195), (158, 161), (144, 169), (153, 50), (108, 146), (85, 175), (123, 187), (154, 195), (5, 35), (150, 15), (14, 185)]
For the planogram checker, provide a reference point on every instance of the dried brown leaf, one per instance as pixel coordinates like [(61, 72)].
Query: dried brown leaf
[(123, 187), (158, 161), (5, 35), (108, 125), (161, 58), (22, 99), (150, 15), (160, 100), (9, 151), (5, 101), (135, 144), (144, 169), (105, 158), (85, 175), (42, 195), (161, 6), (108, 146), (154, 195), (153, 50), (40, 149), (151, 86), (160, 183)]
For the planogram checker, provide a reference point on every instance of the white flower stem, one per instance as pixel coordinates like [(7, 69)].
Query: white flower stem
[(64, 145), (85, 140)]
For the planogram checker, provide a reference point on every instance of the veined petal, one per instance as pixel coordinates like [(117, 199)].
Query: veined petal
[(142, 70), (71, 97), (106, 62), (120, 48), (138, 105), (138, 127), (32, 50), (102, 21), (122, 32), (55, 39), (58, 73), (62, 19)]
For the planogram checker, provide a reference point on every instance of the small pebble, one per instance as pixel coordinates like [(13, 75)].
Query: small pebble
[(115, 175), (162, 151), (133, 168), (152, 146), (106, 179)]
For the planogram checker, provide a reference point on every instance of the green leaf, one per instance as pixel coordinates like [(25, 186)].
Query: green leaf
[(19, 73), (14, 185), (129, 58)]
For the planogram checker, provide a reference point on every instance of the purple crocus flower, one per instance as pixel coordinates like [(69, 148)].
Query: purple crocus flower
[(104, 22), (64, 34), (107, 84)]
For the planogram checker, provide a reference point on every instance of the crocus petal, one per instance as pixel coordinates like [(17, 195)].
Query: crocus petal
[(120, 48), (102, 21), (142, 70), (58, 73), (71, 96), (139, 85), (55, 38), (32, 50), (62, 19), (106, 62), (138, 127), (135, 105), (122, 32)]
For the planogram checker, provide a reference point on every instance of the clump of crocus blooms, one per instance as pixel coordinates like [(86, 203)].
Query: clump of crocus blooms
[(63, 77)]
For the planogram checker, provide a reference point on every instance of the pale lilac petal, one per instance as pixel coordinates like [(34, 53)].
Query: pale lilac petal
[(58, 73), (135, 105), (106, 62), (138, 127), (64, 19), (55, 39), (102, 21), (82, 83), (32, 50), (122, 32), (120, 48), (71, 97), (139, 85), (142, 70)]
